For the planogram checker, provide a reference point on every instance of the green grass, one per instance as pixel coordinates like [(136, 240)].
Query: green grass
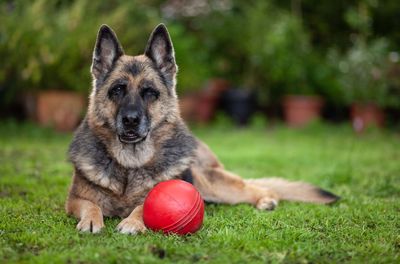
[(363, 227)]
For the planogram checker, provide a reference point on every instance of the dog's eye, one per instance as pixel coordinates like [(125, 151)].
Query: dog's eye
[(149, 94), (117, 90)]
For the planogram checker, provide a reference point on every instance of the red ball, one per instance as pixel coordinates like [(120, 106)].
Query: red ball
[(173, 206)]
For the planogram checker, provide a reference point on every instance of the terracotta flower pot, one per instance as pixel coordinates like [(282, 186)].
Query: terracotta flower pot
[(215, 87), (59, 109), (187, 106), (208, 99), (198, 107), (301, 110), (201, 106), (364, 115), (205, 107)]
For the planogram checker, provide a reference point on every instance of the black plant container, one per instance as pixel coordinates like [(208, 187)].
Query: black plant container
[(239, 104)]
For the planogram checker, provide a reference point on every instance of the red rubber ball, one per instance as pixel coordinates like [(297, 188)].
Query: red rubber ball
[(173, 206)]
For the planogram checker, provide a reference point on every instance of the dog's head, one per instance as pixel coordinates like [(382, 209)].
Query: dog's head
[(132, 94)]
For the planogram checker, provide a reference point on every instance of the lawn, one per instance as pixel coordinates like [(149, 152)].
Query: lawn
[(363, 227)]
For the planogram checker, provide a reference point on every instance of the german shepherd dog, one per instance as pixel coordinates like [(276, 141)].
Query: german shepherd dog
[(133, 138)]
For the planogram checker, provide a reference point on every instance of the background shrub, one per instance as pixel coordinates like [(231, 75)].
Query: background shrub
[(274, 47)]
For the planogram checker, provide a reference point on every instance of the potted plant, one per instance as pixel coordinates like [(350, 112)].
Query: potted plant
[(364, 70), (228, 58), (240, 104), (302, 102), (278, 56), (37, 64), (364, 82), (195, 104), (48, 53)]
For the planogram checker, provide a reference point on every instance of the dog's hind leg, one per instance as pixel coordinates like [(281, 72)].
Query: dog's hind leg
[(295, 190), (220, 186), (89, 214)]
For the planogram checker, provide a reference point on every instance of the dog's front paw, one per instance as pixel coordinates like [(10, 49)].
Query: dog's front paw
[(267, 203), (90, 224), (131, 226)]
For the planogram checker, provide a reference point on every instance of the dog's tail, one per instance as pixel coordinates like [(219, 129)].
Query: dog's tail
[(295, 191)]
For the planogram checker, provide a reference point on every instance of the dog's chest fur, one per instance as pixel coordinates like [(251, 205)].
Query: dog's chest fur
[(118, 188)]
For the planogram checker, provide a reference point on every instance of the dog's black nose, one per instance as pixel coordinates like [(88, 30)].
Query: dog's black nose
[(131, 119)]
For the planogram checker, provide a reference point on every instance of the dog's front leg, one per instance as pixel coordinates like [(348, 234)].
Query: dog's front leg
[(89, 214), (133, 224)]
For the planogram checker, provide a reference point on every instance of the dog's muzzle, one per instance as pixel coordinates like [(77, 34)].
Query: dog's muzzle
[(130, 137)]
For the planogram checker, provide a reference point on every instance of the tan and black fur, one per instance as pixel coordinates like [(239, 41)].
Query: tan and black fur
[(133, 137)]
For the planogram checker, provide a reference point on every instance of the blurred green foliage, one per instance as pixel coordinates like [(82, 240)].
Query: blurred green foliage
[(275, 47), (363, 71), (48, 44), (257, 45)]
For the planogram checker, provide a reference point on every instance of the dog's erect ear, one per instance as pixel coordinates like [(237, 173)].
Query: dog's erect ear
[(161, 51), (106, 52)]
